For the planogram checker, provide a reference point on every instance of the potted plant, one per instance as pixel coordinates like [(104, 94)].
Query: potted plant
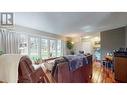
[(1, 51), (70, 46)]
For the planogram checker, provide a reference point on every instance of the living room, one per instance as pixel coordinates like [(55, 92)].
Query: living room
[(34, 34)]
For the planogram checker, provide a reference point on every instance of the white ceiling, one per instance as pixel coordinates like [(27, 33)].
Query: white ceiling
[(71, 23)]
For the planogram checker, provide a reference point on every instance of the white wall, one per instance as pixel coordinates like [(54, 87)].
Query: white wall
[(77, 44), (85, 45), (31, 31)]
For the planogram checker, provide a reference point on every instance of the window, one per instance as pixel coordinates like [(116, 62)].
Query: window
[(23, 44), (44, 48), (38, 47), (52, 48), (34, 48), (59, 48)]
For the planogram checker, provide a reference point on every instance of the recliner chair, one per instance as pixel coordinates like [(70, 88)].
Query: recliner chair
[(27, 74)]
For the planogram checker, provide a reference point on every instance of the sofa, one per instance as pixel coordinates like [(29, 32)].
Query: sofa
[(62, 73)]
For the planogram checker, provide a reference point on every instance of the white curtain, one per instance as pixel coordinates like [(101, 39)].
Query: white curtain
[(8, 41)]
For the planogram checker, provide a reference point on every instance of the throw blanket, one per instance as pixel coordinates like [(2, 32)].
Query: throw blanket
[(76, 61), (9, 67)]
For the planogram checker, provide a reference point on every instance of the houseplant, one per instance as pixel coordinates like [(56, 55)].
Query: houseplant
[(70, 46), (1, 51)]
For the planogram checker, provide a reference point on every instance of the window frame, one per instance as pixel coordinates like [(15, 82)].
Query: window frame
[(40, 46)]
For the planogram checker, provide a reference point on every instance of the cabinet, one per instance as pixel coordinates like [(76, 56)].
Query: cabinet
[(120, 68)]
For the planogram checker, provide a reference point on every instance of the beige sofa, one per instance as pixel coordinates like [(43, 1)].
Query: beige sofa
[(9, 67)]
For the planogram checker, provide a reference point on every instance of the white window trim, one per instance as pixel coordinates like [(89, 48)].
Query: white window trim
[(39, 46)]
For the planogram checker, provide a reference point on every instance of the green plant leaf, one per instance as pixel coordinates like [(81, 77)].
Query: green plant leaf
[(69, 45)]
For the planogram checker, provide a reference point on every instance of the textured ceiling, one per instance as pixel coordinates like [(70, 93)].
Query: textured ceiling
[(71, 23)]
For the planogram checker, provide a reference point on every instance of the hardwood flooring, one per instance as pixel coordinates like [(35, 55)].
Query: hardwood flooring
[(102, 74)]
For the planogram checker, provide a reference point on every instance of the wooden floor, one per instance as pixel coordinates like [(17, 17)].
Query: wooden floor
[(101, 74)]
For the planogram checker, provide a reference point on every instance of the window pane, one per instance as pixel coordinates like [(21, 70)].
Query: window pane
[(23, 44), (52, 48), (44, 48), (59, 48), (34, 48)]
